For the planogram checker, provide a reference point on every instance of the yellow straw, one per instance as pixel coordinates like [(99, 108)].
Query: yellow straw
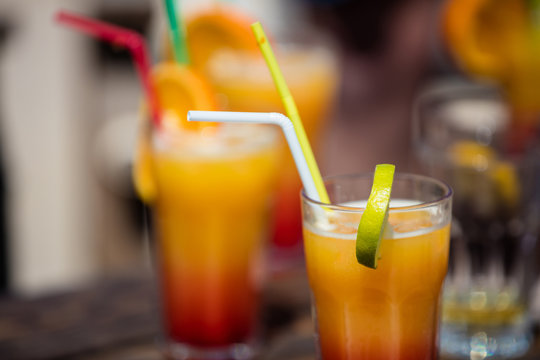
[(290, 109)]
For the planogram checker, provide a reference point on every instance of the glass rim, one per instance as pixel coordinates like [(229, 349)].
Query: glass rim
[(448, 192)]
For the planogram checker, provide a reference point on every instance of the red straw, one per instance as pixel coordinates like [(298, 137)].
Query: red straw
[(122, 37)]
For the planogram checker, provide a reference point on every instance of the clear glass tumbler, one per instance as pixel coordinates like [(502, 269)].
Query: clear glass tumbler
[(462, 135), (391, 312)]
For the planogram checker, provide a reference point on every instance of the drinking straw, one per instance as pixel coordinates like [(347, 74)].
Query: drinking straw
[(178, 36), (122, 37), (290, 108), (267, 118)]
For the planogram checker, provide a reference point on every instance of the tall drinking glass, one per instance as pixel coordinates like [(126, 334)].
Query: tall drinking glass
[(243, 83), (211, 213), (462, 136), (391, 312)]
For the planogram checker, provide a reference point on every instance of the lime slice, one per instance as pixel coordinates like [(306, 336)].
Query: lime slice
[(375, 216)]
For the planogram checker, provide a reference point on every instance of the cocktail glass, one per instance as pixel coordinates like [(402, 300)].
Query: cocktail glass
[(211, 214), (461, 136), (243, 83), (391, 312)]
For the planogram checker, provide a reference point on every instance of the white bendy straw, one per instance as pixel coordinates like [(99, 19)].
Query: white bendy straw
[(266, 118)]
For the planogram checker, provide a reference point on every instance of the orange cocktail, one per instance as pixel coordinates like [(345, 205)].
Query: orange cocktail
[(210, 188), (211, 218), (244, 84), (391, 312)]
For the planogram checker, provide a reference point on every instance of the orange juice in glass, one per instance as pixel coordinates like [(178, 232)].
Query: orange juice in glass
[(210, 190), (391, 312), (243, 83)]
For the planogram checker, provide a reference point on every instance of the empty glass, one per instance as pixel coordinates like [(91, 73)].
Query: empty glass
[(463, 135)]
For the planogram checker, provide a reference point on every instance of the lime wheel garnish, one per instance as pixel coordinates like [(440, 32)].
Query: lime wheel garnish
[(375, 217)]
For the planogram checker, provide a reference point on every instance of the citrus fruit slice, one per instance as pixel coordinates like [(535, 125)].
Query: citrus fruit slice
[(489, 38), (375, 216), (461, 23), (221, 28), (180, 89)]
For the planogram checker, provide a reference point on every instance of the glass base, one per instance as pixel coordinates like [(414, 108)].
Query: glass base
[(179, 351), (488, 343)]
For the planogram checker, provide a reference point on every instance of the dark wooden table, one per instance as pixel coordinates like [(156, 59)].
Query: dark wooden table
[(117, 319)]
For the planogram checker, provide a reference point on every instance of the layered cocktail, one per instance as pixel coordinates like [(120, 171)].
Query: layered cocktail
[(210, 188), (391, 312), (211, 216)]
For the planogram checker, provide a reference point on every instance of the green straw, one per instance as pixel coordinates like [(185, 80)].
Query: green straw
[(178, 36), (290, 109)]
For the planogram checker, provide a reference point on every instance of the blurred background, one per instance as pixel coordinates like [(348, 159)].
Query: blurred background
[(68, 114), (71, 222)]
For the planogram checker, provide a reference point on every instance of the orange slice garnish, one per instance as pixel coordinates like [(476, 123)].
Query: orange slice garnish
[(460, 29), (221, 28), (179, 89), (486, 36)]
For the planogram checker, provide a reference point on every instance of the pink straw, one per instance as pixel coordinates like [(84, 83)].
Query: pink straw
[(122, 37)]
